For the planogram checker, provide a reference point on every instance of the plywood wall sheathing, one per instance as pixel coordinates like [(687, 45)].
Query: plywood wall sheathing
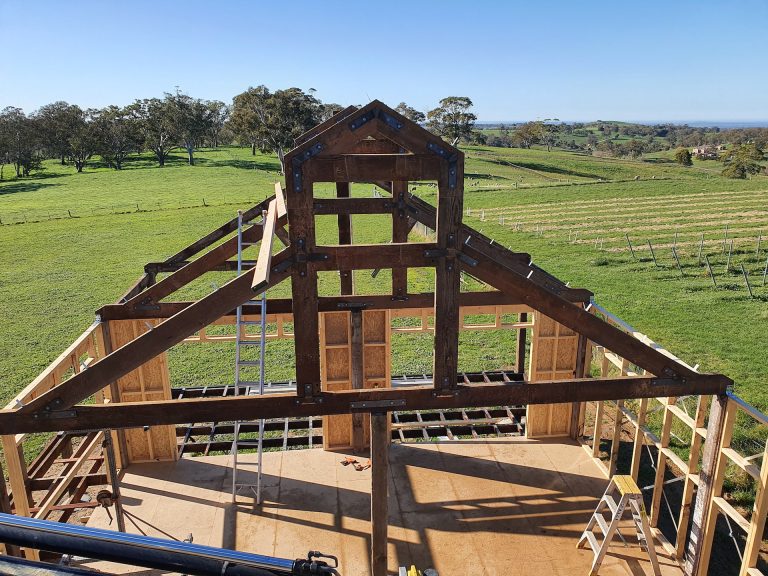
[(336, 367), (553, 357), (149, 382)]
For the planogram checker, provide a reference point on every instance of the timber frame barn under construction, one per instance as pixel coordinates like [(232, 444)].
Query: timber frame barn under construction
[(112, 390)]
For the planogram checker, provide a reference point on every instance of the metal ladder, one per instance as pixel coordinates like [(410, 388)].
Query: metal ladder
[(249, 387), (630, 497)]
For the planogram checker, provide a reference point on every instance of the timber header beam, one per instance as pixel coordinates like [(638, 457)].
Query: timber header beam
[(137, 414)]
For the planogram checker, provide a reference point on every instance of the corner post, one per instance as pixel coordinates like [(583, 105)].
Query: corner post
[(379, 505)]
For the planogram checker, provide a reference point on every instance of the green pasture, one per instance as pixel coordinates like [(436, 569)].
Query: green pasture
[(58, 270)]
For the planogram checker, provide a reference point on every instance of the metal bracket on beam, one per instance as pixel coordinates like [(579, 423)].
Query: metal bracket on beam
[(667, 381), (446, 392), (671, 374), (283, 266), (299, 160), (361, 120), (452, 162), (390, 121), (466, 259), (436, 253), (353, 305), (312, 257), (53, 414), (368, 404)]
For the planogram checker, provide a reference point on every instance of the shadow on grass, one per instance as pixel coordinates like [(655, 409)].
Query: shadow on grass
[(478, 176), (23, 186), (239, 164), (539, 167)]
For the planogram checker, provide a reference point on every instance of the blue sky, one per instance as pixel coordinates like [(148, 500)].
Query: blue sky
[(672, 60)]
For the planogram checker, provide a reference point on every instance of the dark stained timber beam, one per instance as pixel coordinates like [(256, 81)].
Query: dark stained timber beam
[(448, 274), (225, 266), (158, 340), (342, 205), (137, 414), (367, 167), (371, 256), (303, 278), (325, 304), (145, 280), (346, 283), (380, 441), (400, 230)]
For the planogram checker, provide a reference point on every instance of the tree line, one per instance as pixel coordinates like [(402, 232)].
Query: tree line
[(264, 120), (740, 149)]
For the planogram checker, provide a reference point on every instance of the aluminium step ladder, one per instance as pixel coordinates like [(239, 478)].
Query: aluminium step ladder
[(630, 497), (248, 386)]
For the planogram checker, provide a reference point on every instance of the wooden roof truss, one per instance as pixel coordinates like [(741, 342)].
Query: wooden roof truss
[(374, 144)]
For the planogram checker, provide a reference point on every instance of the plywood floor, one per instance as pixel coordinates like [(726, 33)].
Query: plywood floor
[(495, 507)]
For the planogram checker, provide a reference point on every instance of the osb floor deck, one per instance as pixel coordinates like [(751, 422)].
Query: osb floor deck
[(496, 507)]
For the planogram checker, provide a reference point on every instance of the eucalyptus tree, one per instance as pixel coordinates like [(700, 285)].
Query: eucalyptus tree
[(453, 119), (57, 123), (269, 121), (20, 135), (157, 126), (411, 113), (118, 134)]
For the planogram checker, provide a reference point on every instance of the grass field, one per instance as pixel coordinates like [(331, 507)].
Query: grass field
[(85, 242)]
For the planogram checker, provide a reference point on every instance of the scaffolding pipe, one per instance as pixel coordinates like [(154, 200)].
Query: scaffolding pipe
[(21, 567), (149, 552)]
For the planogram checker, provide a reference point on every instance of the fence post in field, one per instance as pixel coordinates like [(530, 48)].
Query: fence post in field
[(725, 239), (765, 271), (701, 246), (728, 262), (711, 274), (674, 253), (746, 281), (653, 254), (759, 238), (631, 249)]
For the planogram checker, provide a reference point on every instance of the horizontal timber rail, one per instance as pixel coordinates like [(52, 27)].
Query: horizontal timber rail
[(137, 414), (325, 304)]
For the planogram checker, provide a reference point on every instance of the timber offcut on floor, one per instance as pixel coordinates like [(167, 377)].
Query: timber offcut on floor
[(491, 506)]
